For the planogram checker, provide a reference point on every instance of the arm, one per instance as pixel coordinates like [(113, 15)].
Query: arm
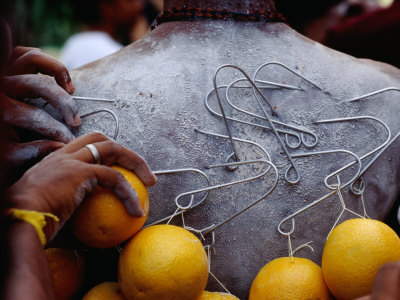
[(26, 273), (28, 73), (57, 185)]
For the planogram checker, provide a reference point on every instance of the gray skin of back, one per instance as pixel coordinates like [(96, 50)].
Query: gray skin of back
[(160, 83)]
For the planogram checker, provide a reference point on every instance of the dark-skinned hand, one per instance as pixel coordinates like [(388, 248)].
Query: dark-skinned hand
[(28, 73), (386, 284), (59, 182)]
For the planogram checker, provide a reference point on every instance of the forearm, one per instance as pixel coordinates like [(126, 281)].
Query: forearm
[(26, 274)]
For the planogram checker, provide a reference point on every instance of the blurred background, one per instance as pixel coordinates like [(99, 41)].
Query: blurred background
[(48, 24), (362, 28)]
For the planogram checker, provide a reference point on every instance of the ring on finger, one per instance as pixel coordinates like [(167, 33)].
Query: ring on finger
[(95, 153)]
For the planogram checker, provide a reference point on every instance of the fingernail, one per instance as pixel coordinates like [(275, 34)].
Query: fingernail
[(71, 87), (77, 120)]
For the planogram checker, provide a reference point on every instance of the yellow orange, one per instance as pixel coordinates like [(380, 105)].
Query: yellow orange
[(287, 279), (102, 221), (216, 296), (66, 270), (163, 262), (354, 252), (105, 291)]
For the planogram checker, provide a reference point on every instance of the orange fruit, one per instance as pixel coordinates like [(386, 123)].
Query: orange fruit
[(101, 220), (284, 279), (216, 296), (66, 270), (105, 291), (354, 252), (163, 262)]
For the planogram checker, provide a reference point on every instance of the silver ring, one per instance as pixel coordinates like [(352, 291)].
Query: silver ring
[(96, 154)]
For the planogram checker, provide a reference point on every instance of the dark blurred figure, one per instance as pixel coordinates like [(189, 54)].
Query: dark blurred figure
[(371, 35), (107, 27), (358, 27)]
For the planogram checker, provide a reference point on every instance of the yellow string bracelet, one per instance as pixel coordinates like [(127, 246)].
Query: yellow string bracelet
[(36, 218)]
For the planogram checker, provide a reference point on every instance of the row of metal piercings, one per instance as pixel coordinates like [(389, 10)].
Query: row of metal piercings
[(184, 13)]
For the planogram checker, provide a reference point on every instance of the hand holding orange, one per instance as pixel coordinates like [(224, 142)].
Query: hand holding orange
[(102, 221)]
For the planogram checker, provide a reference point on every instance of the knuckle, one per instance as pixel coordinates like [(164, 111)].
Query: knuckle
[(32, 54), (19, 49), (98, 136), (390, 267), (45, 80), (115, 147)]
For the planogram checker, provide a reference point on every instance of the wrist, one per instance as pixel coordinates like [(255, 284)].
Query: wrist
[(28, 210)]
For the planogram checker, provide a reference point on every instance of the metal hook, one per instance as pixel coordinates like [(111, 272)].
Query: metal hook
[(372, 94), (297, 178), (330, 186), (383, 146), (212, 229), (92, 99), (287, 133), (354, 190), (107, 111), (268, 85), (301, 139), (289, 69), (235, 139), (191, 205)]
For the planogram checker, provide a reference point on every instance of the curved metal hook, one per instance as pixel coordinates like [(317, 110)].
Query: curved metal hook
[(329, 186), (297, 179), (383, 146), (372, 94), (301, 139), (183, 208), (107, 111), (289, 69), (252, 204), (354, 190), (235, 139), (287, 133)]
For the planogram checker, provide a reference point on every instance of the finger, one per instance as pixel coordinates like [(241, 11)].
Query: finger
[(22, 115), (35, 61), (26, 154), (114, 180), (19, 51), (43, 86), (387, 283), (82, 141), (111, 152), (364, 298), (6, 42)]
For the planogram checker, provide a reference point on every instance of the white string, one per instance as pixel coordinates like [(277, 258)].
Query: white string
[(290, 247), (364, 208), (209, 270), (173, 215), (344, 208), (303, 246)]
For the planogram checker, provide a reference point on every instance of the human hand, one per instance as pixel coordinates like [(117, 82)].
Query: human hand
[(59, 183), (21, 81), (387, 283), (18, 81)]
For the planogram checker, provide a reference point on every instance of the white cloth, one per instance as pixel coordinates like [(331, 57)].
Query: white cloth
[(84, 47)]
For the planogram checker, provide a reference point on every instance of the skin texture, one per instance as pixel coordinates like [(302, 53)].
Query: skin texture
[(71, 171), (159, 84), (387, 283), (19, 81)]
